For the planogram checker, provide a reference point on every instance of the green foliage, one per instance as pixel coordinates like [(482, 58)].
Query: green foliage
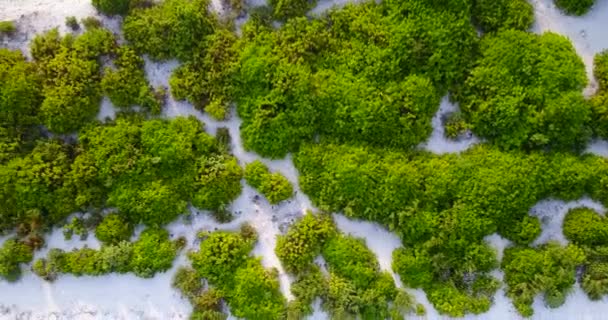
[(205, 81), (112, 7), (171, 29), (153, 252), (503, 14), (127, 85), (455, 125), (584, 226), (77, 227), (285, 9), (274, 186), (443, 206), (72, 23), (113, 229), (7, 28), (70, 67), (20, 96), (303, 242), (153, 168), (549, 269), (363, 74), (599, 101), (575, 7), (251, 291), (12, 254), (90, 23), (525, 92)]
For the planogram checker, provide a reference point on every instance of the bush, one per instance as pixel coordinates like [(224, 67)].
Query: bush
[(285, 9), (91, 23), (113, 229), (492, 16), (575, 7), (112, 7), (584, 226), (172, 29), (72, 23), (12, 254), (274, 186), (549, 269), (7, 28), (515, 66), (127, 84), (303, 242)]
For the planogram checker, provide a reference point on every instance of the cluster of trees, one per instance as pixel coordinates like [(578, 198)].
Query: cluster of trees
[(127, 85), (251, 291), (354, 286), (148, 170), (207, 303), (549, 269), (589, 230), (274, 186), (444, 206), (170, 29), (525, 91), (153, 252)]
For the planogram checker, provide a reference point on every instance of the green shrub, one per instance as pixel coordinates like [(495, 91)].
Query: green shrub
[(171, 29), (72, 23), (77, 227), (12, 254), (515, 66), (549, 269), (112, 7), (7, 28), (455, 125), (127, 85), (575, 7), (503, 14), (303, 241), (285, 9), (584, 226), (90, 23), (595, 280), (113, 229), (274, 186)]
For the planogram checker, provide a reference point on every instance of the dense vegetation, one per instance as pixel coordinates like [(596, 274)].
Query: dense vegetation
[(351, 94), (525, 91), (274, 186), (251, 291), (589, 230), (444, 206), (153, 252), (354, 286)]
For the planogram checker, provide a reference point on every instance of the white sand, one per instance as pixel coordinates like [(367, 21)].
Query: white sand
[(438, 143)]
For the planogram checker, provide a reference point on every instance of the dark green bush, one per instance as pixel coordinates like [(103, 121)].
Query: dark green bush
[(72, 23), (575, 7), (7, 28), (112, 7)]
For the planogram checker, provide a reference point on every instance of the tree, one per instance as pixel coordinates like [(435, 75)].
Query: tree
[(113, 229)]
